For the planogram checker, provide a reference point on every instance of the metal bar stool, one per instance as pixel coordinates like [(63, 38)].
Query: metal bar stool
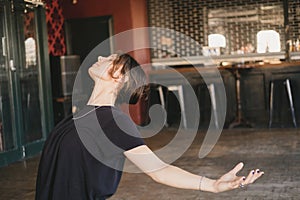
[(212, 93), (287, 84), (179, 89)]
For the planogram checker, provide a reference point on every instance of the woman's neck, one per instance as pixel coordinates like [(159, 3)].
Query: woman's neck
[(104, 94)]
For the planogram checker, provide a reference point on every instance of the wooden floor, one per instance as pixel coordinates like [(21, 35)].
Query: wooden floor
[(276, 151)]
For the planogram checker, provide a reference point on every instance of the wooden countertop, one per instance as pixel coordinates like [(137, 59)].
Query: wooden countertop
[(186, 69), (194, 60)]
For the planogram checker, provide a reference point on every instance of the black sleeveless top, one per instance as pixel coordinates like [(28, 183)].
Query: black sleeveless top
[(83, 155)]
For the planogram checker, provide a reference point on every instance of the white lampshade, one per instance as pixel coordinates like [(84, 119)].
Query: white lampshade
[(216, 40)]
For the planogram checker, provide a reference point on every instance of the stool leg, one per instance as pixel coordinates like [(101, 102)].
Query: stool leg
[(211, 88), (271, 104), (161, 96), (162, 101), (182, 106), (288, 88), (199, 100)]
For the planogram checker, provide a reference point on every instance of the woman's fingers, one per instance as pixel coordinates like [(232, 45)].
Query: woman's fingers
[(238, 182), (237, 168), (231, 181), (253, 175), (241, 182)]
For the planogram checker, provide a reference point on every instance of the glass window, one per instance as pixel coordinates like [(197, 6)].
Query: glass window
[(29, 80), (7, 139)]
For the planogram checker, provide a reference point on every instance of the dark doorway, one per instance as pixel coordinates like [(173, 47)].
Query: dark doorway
[(84, 34)]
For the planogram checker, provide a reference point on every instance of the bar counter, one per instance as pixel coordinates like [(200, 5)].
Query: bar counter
[(255, 80)]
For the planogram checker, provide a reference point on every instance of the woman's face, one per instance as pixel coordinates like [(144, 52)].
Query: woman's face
[(100, 69)]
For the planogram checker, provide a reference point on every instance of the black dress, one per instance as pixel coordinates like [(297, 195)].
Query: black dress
[(83, 156)]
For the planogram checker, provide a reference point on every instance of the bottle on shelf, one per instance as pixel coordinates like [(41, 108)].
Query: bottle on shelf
[(297, 45)]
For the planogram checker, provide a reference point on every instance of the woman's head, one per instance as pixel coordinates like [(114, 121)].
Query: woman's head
[(124, 69)]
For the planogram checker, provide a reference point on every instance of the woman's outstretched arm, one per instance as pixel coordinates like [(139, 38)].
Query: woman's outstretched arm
[(173, 176)]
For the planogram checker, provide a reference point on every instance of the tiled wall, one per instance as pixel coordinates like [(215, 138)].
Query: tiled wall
[(239, 21), (294, 19)]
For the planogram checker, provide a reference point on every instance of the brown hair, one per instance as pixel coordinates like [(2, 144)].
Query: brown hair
[(136, 86)]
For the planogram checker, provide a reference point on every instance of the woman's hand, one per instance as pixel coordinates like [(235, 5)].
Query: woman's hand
[(231, 181), (173, 176)]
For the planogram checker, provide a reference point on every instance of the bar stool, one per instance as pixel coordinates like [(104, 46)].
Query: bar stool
[(212, 93), (287, 84), (174, 88)]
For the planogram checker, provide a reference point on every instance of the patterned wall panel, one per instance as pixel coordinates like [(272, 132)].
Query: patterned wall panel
[(29, 23), (239, 21), (55, 22)]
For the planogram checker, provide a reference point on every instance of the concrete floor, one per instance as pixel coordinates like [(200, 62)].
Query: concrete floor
[(275, 151)]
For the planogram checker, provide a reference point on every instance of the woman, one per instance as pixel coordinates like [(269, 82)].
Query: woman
[(84, 155)]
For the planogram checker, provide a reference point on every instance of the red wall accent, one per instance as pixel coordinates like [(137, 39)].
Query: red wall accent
[(55, 21), (120, 10), (127, 15), (140, 19)]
